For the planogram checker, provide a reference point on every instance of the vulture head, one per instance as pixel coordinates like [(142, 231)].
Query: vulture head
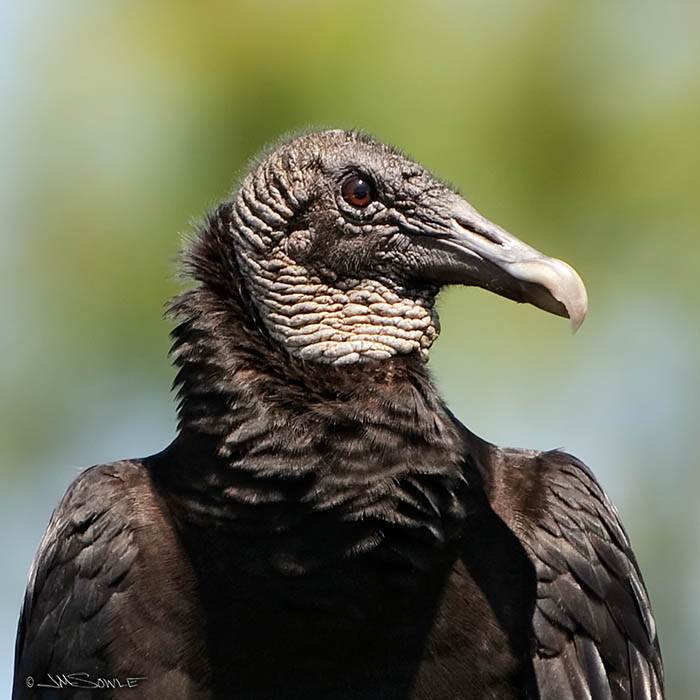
[(342, 244)]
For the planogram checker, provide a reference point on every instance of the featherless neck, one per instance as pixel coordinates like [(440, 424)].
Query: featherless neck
[(340, 322)]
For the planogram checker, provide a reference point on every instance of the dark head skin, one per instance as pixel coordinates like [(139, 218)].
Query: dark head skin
[(410, 231)]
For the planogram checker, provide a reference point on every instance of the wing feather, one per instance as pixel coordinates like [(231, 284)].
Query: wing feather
[(80, 569), (594, 632), (110, 592)]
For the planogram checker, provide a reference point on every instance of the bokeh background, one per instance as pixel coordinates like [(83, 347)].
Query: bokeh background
[(576, 125)]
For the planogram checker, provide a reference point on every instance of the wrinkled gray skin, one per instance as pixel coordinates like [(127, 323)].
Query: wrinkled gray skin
[(328, 297)]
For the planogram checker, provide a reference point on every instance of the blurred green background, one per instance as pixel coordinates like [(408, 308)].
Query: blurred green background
[(575, 125)]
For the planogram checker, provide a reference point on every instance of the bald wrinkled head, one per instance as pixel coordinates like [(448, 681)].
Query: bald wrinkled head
[(343, 243)]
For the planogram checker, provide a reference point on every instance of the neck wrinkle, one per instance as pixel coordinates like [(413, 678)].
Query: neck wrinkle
[(338, 323)]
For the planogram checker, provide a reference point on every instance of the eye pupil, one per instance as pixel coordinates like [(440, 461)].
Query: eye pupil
[(357, 191)]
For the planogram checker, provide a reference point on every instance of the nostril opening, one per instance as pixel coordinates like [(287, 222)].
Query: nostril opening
[(480, 230)]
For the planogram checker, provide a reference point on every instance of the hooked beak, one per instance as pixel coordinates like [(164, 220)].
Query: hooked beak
[(468, 249)]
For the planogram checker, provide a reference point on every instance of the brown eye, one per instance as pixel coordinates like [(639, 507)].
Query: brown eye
[(357, 191)]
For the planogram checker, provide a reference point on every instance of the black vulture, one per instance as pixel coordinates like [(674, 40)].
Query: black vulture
[(322, 527)]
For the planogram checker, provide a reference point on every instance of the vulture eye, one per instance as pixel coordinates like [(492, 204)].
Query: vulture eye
[(357, 191)]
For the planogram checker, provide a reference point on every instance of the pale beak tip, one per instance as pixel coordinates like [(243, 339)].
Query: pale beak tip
[(563, 285), (571, 292)]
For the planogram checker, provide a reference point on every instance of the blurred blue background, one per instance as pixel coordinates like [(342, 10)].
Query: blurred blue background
[(574, 125)]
